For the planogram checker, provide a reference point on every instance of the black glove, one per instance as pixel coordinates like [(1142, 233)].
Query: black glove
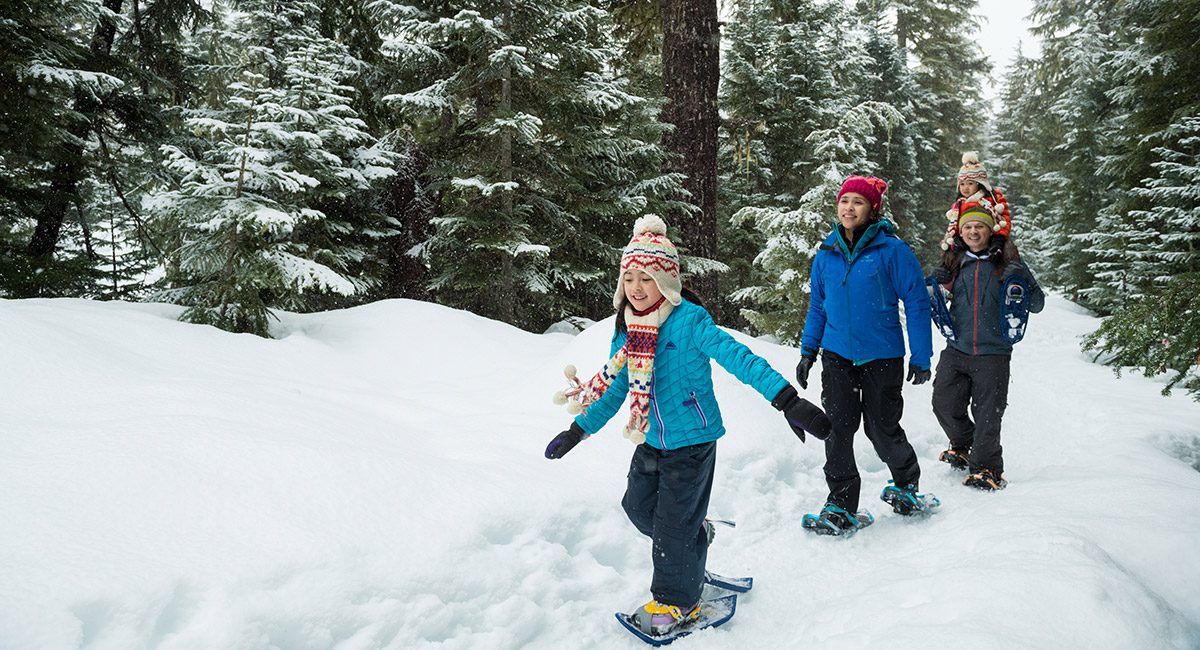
[(996, 246), (801, 414), (802, 369), (959, 244), (942, 275), (918, 376), (565, 441)]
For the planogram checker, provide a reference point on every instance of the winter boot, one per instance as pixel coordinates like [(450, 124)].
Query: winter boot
[(835, 520), (956, 457), (988, 479), (657, 619), (905, 500)]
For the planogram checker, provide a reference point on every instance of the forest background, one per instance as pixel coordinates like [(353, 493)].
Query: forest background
[(239, 157)]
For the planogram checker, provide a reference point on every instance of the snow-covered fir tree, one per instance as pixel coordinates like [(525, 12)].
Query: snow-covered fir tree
[(542, 160), (1011, 160), (276, 145), (888, 79), (777, 86), (794, 236), (1073, 188)]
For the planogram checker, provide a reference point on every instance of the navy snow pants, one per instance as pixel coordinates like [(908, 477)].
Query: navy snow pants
[(666, 498), (870, 394), (979, 381)]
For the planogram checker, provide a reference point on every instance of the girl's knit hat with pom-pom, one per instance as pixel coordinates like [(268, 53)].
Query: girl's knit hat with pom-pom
[(972, 170), (650, 251)]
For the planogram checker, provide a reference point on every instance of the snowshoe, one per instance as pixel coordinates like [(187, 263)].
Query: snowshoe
[(941, 313), (956, 457), (835, 520), (720, 582), (1014, 308), (987, 479), (905, 500), (710, 530), (670, 626)]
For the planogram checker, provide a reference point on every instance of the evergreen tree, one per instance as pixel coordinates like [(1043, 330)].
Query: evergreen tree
[(53, 85), (778, 86), (894, 144), (1012, 158), (948, 114), (1081, 130), (255, 210), (540, 159), (793, 237)]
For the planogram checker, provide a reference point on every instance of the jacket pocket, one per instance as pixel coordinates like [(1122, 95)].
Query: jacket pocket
[(694, 404)]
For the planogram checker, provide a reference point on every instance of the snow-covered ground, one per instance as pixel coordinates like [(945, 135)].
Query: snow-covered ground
[(373, 478)]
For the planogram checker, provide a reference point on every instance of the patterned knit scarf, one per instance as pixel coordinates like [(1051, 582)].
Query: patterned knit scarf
[(638, 355)]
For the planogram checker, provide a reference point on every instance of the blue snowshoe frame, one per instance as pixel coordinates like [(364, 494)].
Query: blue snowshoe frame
[(1014, 309), (712, 614), (941, 312)]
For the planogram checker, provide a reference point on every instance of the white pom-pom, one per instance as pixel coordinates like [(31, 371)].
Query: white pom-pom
[(945, 246), (569, 371), (970, 158), (574, 408), (560, 398), (998, 225), (637, 437), (651, 223)]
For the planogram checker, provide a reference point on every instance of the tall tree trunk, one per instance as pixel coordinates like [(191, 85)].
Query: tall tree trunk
[(68, 171), (691, 58)]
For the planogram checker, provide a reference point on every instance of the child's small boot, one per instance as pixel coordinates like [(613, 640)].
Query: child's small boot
[(657, 619), (956, 457), (987, 479)]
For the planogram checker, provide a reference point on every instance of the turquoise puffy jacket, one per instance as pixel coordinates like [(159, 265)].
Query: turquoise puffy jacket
[(683, 407)]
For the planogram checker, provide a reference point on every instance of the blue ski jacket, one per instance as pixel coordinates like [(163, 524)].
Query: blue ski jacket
[(683, 407), (975, 306), (853, 309)]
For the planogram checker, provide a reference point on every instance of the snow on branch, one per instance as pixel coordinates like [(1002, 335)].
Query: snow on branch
[(307, 274)]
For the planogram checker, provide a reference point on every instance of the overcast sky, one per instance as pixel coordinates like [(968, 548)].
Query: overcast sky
[(1004, 27)]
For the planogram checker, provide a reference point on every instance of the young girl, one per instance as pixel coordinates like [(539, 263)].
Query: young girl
[(974, 187), (660, 358), (973, 370), (859, 275)]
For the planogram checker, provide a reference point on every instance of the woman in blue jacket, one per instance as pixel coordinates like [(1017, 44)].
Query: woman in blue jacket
[(974, 369), (859, 275), (660, 358)]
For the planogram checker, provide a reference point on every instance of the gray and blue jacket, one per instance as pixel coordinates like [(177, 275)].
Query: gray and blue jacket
[(975, 307)]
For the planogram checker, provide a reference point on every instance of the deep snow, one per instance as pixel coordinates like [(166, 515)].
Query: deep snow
[(373, 478)]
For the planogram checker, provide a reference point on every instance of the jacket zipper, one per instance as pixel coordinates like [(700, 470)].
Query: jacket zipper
[(849, 311), (662, 430), (696, 403), (975, 313)]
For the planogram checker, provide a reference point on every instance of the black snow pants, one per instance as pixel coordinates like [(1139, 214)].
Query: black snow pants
[(870, 394), (666, 498), (980, 382)]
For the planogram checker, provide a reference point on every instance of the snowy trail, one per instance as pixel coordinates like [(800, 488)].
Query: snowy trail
[(374, 479)]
